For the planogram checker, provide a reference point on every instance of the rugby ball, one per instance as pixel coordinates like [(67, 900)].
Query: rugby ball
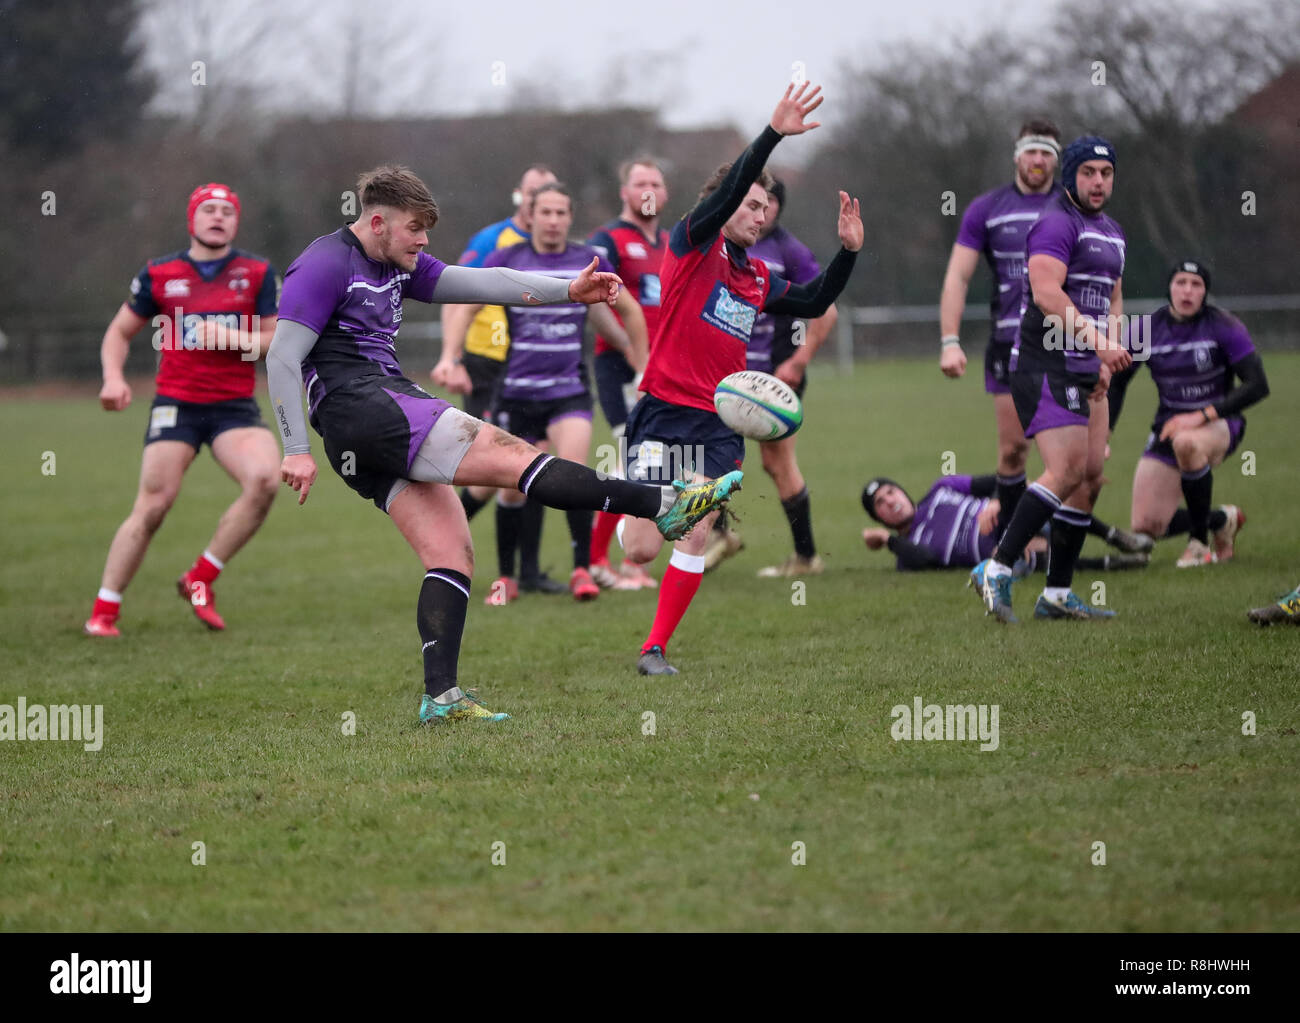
[(758, 405)]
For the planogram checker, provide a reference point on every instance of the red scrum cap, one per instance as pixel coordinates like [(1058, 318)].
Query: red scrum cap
[(203, 193)]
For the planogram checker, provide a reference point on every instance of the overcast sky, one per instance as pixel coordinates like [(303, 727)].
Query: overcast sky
[(701, 61)]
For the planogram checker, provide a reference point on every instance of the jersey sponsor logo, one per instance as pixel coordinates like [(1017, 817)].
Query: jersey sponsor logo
[(650, 289), (726, 312), (636, 250), (176, 288), (239, 284)]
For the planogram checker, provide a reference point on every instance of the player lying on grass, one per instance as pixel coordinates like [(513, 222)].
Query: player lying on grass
[(712, 290), (954, 526), (1195, 351), (395, 444)]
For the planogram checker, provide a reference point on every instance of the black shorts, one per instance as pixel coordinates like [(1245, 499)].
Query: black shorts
[(198, 423), (483, 376), (673, 442), (1046, 399), (528, 420), (372, 428), (613, 373)]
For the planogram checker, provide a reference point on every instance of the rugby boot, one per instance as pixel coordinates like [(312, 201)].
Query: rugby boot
[(582, 585), (1195, 555), (1223, 537), (654, 662), (1070, 607), (202, 600), (695, 501), (501, 592), (1285, 611), (994, 592), (794, 565), (467, 708), (101, 625)]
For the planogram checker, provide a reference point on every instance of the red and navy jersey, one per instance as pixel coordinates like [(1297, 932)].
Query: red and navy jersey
[(178, 294), (638, 262), (709, 304)]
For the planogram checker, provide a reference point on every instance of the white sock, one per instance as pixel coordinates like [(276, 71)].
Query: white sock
[(668, 497), (112, 596), (450, 696), (996, 569), (1056, 594), (693, 563), (215, 560)]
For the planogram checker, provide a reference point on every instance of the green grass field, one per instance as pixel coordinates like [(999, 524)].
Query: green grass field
[(776, 732)]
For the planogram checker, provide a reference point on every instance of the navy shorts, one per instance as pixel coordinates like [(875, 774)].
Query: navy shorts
[(613, 373), (666, 442), (1046, 399), (997, 371), (198, 423), (483, 376), (372, 428), (528, 420), (1163, 450)]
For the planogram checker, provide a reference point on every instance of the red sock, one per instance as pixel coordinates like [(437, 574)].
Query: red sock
[(676, 591), (601, 533), (107, 608), (204, 570)]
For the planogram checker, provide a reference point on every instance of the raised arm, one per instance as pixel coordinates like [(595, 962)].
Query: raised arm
[(815, 297), (710, 214)]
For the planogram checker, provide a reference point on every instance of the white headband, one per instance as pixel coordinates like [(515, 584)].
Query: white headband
[(1038, 142)]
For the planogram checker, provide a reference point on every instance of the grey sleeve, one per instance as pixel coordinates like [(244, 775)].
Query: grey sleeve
[(499, 285), (292, 343)]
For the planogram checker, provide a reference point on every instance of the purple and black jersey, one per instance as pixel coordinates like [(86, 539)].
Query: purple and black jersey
[(996, 224), (1191, 360), (1092, 248), (771, 336), (945, 528), (545, 360), (355, 304)]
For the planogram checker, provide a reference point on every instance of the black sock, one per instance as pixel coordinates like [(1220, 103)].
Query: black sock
[(580, 536), (509, 522), (1010, 490), (1069, 530), (799, 515), (1198, 487), (470, 503), (530, 539), (558, 483), (1181, 522), (1033, 510), (440, 617), (1099, 529)]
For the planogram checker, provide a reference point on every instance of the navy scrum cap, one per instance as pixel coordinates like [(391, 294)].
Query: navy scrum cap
[(1190, 266), (869, 495), (1080, 151)]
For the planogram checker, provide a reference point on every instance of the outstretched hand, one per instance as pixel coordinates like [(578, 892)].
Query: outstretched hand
[(850, 223), (788, 117), (592, 285)]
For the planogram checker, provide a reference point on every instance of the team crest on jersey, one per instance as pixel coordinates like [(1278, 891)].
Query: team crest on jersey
[(727, 312), (1202, 358), (395, 300), (176, 288), (239, 284)]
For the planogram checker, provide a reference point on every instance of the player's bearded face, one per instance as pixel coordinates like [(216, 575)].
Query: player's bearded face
[(215, 223), (1095, 181), (404, 239), (1035, 167), (1186, 294)]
